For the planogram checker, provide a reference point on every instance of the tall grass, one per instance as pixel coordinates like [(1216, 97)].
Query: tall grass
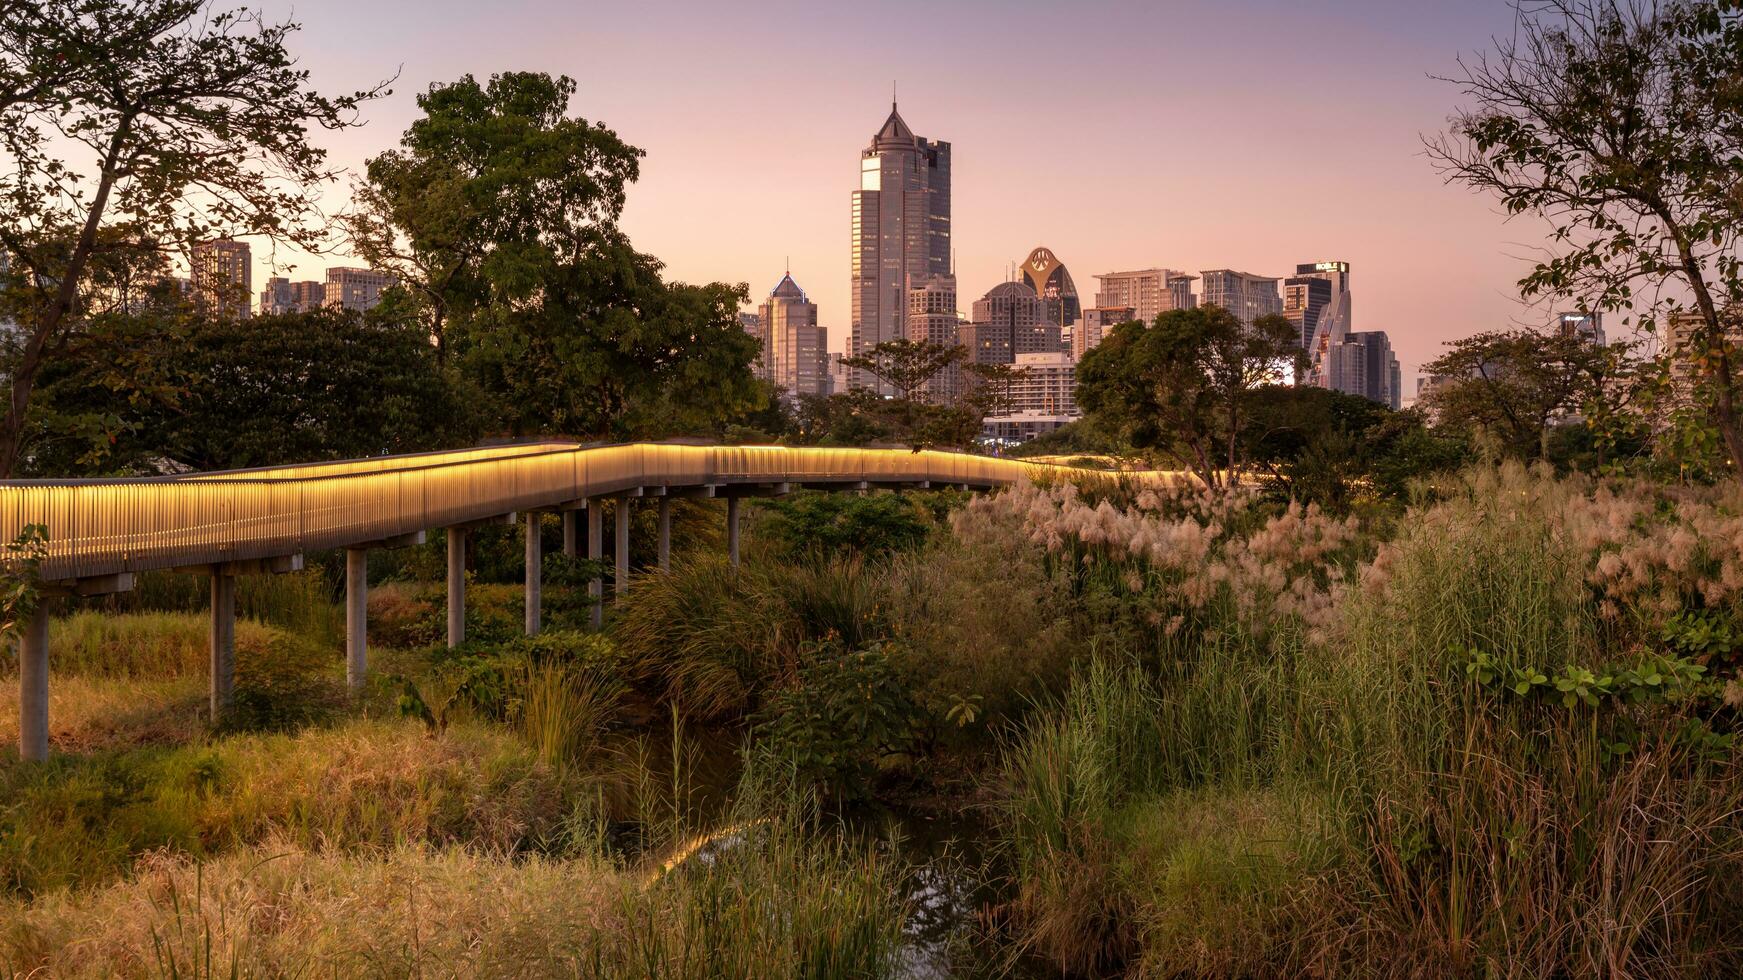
[(1459, 828)]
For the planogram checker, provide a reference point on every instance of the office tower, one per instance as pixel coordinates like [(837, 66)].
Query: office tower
[(1097, 321), (1587, 325), (1147, 291), (1048, 277), (222, 276), (1009, 320), (1304, 299), (355, 289), (795, 348), (1359, 363), (1247, 296), (901, 232), (752, 324), (932, 318), (284, 296)]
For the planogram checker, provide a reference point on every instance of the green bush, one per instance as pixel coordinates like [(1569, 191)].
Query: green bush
[(847, 715), (831, 525)]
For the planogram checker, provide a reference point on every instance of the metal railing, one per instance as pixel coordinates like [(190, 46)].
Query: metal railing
[(112, 526)]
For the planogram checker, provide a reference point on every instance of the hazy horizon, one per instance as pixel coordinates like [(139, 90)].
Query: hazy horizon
[(1194, 135)]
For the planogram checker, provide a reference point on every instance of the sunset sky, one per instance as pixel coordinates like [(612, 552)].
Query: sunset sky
[(1251, 134)]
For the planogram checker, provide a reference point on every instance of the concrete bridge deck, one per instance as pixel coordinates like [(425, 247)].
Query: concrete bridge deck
[(103, 532)]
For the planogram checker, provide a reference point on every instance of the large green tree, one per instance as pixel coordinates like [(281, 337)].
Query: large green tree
[(139, 126), (1620, 125), (1519, 386), (499, 211), (1182, 385)]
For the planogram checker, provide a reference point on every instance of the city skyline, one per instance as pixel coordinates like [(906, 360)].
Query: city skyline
[(1335, 170)]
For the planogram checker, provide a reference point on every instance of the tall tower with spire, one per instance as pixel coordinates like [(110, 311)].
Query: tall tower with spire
[(901, 231)]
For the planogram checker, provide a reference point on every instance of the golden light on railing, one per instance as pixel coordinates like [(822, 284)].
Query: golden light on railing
[(102, 527)]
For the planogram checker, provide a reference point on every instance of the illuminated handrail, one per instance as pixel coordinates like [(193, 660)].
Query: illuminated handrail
[(109, 526)]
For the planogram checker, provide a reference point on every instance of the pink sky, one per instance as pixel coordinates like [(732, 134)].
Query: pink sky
[(1195, 135)]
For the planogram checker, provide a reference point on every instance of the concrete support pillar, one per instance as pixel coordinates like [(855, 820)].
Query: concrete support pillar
[(595, 551), (732, 530), (356, 617), (456, 586), (620, 581), (223, 642), (665, 534), (572, 533), (33, 684), (535, 571)]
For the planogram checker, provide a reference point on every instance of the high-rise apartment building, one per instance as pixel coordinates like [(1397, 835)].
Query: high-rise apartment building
[(222, 277), (1048, 277), (1147, 291), (932, 318), (795, 348), (1095, 324), (1008, 321), (284, 296), (901, 232), (1247, 296), (356, 289)]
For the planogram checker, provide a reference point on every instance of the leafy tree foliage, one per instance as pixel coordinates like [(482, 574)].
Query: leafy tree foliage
[(1181, 386), (1620, 124), (910, 417), (197, 125), (500, 210), (1518, 386), (191, 392), (906, 365), (1327, 447)]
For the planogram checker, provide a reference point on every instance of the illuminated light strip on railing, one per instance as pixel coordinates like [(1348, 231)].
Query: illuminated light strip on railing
[(110, 526)]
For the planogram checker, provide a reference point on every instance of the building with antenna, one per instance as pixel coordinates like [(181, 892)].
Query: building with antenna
[(795, 354), (901, 233)]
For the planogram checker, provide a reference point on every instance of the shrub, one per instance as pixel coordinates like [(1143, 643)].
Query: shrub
[(711, 639), (846, 716), (830, 525)]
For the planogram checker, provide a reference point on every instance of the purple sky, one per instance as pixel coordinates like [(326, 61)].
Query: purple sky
[(1251, 134)]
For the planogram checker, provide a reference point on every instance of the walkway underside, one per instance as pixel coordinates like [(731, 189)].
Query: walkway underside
[(102, 532)]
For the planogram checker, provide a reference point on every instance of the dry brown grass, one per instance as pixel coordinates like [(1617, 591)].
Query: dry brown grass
[(87, 714), (281, 909)]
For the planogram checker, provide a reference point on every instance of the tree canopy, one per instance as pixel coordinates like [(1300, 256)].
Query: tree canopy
[(1620, 124), (500, 211), (1181, 386), (191, 123)]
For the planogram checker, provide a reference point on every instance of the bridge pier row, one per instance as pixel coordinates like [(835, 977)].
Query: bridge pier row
[(732, 530), (456, 586), (535, 560), (356, 618), (595, 551), (223, 642), (33, 684), (665, 534), (620, 578)]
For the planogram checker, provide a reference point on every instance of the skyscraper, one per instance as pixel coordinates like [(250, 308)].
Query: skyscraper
[(1009, 320), (1247, 296), (356, 289), (795, 348), (1147, 291), (1304, 299), (222, 277), (1048, 277), (901, 232), (1334, 313)]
